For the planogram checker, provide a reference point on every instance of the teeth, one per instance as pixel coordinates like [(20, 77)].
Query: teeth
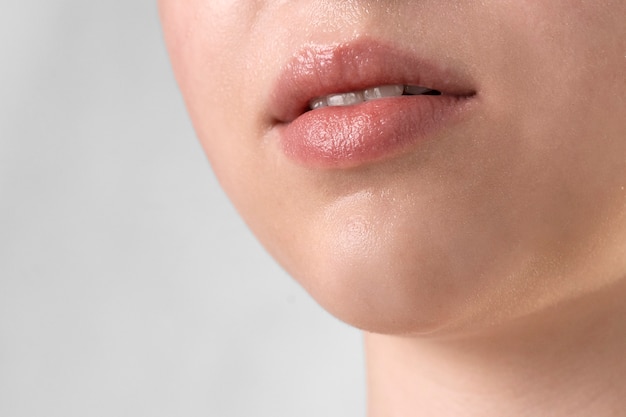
[(384, 91), (356, 97), (347, 99)]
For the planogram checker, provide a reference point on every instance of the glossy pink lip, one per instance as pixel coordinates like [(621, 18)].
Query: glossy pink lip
[(343, 137)]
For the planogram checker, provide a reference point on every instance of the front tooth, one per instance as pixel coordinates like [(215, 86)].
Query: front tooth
[(318, 103), (346, 99), (383, 91)]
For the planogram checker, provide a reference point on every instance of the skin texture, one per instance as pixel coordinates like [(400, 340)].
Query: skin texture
[(510, 221)]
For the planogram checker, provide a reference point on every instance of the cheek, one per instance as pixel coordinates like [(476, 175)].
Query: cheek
[(209, 44)]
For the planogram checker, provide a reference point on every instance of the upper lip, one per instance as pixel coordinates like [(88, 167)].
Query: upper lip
[(319, 70)]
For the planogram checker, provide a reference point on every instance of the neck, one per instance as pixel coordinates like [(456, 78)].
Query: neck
[(561, 362)]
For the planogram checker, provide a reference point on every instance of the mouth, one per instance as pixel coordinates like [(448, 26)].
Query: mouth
[(342, 105)]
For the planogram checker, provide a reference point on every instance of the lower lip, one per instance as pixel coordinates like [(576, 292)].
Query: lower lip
[(344, 137)]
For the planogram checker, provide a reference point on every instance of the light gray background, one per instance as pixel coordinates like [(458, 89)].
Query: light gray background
[(128, 285)]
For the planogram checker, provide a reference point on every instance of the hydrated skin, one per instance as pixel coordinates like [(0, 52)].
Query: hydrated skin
[(518, 208)]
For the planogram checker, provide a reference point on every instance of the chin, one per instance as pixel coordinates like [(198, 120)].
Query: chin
[(375, 295), (383, 279)]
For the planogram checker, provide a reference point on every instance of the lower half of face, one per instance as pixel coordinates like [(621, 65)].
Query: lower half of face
[(514, 204)]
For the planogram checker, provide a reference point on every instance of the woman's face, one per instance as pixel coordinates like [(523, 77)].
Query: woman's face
[(417, 213)]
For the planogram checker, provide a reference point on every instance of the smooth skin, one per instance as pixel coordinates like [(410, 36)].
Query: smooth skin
[(487, 266)]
